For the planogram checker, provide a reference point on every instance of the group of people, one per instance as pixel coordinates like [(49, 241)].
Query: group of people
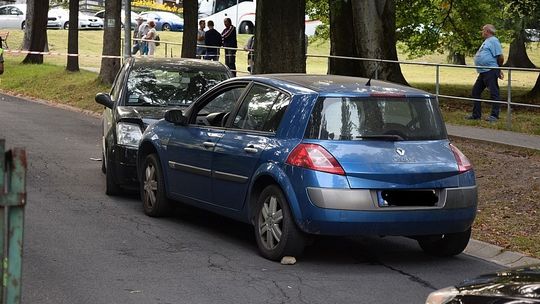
[(144, 37), (210, 41)]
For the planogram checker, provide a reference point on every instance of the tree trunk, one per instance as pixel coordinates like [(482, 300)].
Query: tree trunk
[(38, 31), (374, 24), (517, 56), (456, 58), (73, 36), (341, 40), (111, 41), (282, 25), (189, 36), (535, 92), (28, 25)]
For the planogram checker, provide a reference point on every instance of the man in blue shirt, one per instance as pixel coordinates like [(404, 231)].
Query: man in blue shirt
[(488, 55), (1, 58)]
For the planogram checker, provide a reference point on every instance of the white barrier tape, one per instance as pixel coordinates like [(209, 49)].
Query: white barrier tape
[(21, 52)]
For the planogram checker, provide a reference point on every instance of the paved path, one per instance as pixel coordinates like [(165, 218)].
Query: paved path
[(497, 136)]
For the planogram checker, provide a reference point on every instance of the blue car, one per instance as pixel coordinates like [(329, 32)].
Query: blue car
[(300, 155), (165, 21)]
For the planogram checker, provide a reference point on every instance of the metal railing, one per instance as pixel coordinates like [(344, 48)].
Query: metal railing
[(12, 201)]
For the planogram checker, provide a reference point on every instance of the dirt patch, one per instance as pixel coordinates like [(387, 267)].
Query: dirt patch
[(508, 181)]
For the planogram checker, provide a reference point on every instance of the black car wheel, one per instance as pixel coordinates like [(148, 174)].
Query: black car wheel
[(66, 25), (111, 187), (275, 231), (166, 27), (155, 201), (446, 244)]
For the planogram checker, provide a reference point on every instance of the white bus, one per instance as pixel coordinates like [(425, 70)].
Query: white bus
[(241, 12)]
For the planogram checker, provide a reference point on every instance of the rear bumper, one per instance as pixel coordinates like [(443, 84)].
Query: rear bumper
[(357, 212)]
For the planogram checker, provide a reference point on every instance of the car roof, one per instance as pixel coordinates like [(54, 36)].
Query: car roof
[(18, 5), (180, 62), (336, 85)]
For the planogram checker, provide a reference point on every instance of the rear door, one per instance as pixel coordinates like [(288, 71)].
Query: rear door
[(237, 154)]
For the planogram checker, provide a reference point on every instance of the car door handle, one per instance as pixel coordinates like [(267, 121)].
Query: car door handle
[(209, 144), (250, 149)]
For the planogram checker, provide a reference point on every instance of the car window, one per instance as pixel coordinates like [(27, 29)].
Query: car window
[(217, 110), (169, 85), (376, 118), (261, 110), (16, 11)]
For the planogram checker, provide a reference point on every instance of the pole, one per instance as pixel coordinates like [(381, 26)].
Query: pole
[(127, 28)]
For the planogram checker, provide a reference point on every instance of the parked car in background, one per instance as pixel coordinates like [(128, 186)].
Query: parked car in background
[(512, 286), (133, 19), (142, 91), (58, 18), (302, 155), (533, 35), (165, 21), (13, 16)]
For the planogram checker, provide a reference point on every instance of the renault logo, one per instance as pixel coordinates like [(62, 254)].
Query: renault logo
[(400, 151)]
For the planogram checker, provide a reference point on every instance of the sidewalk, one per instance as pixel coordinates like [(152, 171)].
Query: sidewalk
[(496, 136), (481, 249)]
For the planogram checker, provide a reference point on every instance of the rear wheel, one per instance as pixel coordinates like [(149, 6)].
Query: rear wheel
[(155, 201), (275, 231), (246, 28), (66, 25), (446, 244), (166, 27)]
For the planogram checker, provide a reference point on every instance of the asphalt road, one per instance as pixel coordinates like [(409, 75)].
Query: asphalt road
[(81, 246)]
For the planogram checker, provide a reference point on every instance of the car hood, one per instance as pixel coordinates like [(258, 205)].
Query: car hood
[(147, 115), (517, 283)]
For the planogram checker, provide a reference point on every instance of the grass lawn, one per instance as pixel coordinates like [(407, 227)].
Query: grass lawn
[(454, 81)]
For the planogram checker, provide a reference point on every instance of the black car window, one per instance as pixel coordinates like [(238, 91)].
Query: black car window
[(364, 118), (216, 111), (3, 11), (118, 84), (261, 110), (169, 85)]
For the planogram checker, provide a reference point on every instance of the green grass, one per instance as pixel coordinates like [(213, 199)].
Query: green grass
[(453, 81)]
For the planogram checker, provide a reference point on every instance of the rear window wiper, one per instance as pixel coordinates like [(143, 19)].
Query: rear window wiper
[(380, 137)]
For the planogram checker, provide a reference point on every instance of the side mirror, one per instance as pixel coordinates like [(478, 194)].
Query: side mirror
[(104, 99), (176, 117)]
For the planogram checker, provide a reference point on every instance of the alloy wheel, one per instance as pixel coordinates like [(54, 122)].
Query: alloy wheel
[(271, 223), (150, 185)]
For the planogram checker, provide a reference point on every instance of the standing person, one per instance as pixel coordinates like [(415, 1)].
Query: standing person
[(200, 39), (488, 55), (1, 58), (137, 43), (250, 47), (141, 32), (151, 36), (212, 38), (229, 40)]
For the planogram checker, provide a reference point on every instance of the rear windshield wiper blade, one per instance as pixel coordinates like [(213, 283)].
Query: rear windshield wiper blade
[(380, 137)]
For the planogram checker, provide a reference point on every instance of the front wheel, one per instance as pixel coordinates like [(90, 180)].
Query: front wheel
[(445, 245), (166, 27), (275, 231), (155, 201), (111, 187)]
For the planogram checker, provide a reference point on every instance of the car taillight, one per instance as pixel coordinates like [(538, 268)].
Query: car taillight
[(315, 157), (463, 162)]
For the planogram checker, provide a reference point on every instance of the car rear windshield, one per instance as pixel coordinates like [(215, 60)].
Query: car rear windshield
[(162, 86), (376, 118)]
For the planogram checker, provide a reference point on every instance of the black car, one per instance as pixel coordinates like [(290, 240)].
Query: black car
[(144, 89), (516, 286)]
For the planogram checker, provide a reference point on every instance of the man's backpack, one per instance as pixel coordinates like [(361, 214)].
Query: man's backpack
[(157, 39)]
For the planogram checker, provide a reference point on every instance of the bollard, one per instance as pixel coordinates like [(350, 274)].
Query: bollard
[(12, 201)]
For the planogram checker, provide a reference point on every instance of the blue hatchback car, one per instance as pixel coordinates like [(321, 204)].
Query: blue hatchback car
[(300, 155)]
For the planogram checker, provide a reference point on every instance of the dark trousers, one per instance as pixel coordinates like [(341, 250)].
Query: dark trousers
[(211, 54), (487, 80), (230, 60)]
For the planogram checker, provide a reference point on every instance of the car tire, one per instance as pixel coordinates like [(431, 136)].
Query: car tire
[(445, 245), (111, 187), (66, 26), (246, 28), (275, 230), (153, 196), (23, 25), (166, 27)]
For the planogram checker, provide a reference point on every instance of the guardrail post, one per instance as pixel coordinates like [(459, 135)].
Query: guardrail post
[(166, 44), (509, 103), (12, 201)]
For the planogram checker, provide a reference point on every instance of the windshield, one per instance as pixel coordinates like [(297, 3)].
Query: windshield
[(169, 86), (380, 118)]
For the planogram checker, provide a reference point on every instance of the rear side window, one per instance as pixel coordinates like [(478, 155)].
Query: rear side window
[(380, 118)]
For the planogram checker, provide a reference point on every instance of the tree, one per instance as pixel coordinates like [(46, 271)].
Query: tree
[(341, 44), (281, 23), (518, 15), (73, 36), (38, 31), (111, 41), (189, 36)]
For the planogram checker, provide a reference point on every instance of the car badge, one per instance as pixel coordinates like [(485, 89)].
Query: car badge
[(400, 151)]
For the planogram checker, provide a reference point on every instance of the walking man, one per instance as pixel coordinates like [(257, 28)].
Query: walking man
[(488, 55), (229, 40)]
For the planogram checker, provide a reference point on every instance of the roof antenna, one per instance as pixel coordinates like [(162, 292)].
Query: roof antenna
[(368, 83)]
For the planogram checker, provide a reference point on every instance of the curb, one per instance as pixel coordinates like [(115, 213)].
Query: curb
[(498, 255)]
